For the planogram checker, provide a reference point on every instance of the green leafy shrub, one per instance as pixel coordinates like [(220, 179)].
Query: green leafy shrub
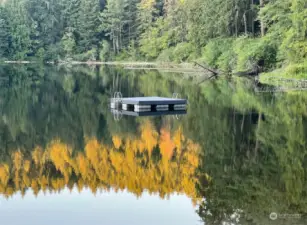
[(182, 51), (40, 54), (250, 51), (54, 52), (90, 55), (154, 40), (133, 51), (215, 49), (166, 55), (22, 55), (227, 60), (68, 44), (296, 69), (295, 48), (193, 56), (122, 56), (105, 49)]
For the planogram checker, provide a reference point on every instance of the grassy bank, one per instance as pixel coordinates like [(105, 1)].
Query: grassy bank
[(290, 71)]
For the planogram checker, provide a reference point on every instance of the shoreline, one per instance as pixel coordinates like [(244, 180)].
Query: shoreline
[(129, 65), (61, 62)]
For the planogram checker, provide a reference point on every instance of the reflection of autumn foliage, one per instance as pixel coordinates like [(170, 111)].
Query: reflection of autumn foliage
[(156, 162), (166, 145)]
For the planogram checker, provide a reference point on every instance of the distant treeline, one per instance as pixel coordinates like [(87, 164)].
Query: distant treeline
[(226, 34)]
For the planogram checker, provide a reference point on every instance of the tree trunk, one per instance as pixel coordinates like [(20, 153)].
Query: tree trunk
[(262, 26), (253, 19), (236, 23), (113, 39), (257, 133), (120, 37), (245, 23)]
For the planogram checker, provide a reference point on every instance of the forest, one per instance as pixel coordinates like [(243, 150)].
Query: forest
[(231, 35)]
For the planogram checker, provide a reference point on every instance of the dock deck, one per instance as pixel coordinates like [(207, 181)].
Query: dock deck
[(152, 101), (148, 104)]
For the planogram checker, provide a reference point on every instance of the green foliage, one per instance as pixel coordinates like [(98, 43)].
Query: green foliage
[(239, 54), (154, 40), (105, 50), (90, 55), (227, 61), (20, 29), (147, 13), (122, 56), (295, 44), (45, 23), (69, 44), (250, 51), (183, 51), (295, 48), (229, 35), (217, 52), (54, 52), (4, 33), (118, 20), (297, 70), (133, 51), (166, 55), (218, 18), (179, 54), (88, 25), (286, 22), (40, 54)]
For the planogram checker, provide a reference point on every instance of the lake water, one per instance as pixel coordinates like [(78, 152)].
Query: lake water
[(237, 157)]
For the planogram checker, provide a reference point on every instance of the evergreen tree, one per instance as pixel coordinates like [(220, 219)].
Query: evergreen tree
[(88, 24), (46, 23), (19, 28), (118, 22), (147, 13), (4, 33)]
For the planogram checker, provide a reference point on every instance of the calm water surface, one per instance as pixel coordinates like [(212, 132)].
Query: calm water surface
[(237, 157)]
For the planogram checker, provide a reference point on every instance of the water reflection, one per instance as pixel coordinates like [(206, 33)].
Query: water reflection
[(118, 114), (74, 207), (237, 155), (159, 162)]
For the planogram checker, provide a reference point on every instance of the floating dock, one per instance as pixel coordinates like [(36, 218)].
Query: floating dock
[(149, 104)]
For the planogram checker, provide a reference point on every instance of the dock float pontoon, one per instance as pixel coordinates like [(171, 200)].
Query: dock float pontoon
[(151, 113)]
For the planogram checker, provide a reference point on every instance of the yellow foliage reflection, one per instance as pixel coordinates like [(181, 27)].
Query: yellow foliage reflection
[(157, 162)]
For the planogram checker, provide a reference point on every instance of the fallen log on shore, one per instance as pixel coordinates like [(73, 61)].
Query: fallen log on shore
[(208, 69), (252, 72)]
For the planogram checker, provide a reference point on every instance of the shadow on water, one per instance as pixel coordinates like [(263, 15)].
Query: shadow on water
[(239, 155)]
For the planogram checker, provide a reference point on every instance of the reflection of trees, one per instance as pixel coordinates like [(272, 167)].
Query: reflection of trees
[(255, 154), (39, 105), (158, 162), (252, 145)]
